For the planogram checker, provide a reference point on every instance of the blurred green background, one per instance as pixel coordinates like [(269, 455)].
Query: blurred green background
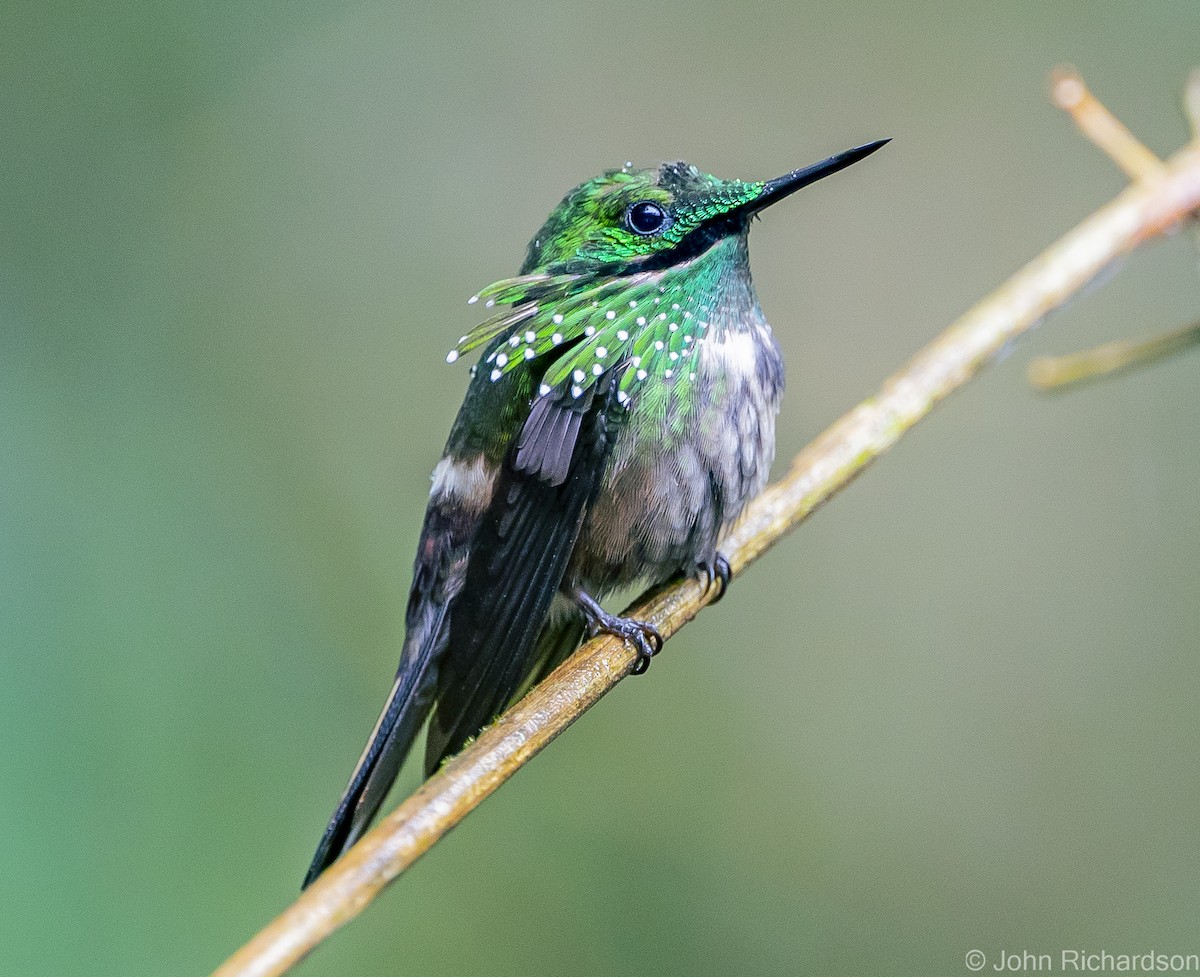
[(957, 709)]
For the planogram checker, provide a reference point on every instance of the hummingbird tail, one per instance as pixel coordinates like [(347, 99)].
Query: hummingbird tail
[(406, 708)]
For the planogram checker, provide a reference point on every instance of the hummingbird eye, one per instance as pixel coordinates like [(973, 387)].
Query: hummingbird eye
[(645, 217)]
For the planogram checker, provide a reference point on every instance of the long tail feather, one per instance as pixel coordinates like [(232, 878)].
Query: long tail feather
[(391, 739)]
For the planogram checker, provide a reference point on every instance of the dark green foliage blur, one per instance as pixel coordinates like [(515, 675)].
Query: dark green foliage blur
[(956, 710)]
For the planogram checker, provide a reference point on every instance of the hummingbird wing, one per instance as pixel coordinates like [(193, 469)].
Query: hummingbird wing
[(518, 559), (483, 584)]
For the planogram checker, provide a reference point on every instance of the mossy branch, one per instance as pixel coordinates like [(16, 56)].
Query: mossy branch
[(1144, 211)]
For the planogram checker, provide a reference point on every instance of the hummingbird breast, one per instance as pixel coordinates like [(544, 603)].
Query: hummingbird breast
[(685, 463)]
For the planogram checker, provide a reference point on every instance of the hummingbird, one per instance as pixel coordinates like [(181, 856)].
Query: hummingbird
[(620, 417)]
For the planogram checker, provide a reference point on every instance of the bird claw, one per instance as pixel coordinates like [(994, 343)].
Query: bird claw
[(644, 637), (715, 571)]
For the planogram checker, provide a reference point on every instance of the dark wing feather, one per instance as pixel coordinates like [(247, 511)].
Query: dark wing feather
[(547, 441), (518, 560)]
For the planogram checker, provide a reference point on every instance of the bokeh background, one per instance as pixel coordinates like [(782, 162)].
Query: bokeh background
[(955, 710)]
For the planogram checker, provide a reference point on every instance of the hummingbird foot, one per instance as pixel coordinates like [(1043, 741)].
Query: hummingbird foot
[(715, 571), (644, 637)]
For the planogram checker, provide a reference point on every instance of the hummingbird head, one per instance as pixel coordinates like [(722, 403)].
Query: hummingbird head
[(626, 274), (640, 219)]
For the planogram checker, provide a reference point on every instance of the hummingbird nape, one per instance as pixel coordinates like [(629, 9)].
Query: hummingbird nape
[(621, 416)]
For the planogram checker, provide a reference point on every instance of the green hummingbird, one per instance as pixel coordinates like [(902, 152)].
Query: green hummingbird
[(620, 417)]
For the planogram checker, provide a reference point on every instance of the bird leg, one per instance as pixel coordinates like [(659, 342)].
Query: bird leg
[(644, 637), (715, 571)]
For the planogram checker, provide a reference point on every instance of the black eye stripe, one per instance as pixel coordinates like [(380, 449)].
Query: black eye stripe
[(645, 217)]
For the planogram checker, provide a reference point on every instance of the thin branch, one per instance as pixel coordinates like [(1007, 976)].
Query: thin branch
[(1191, 102), (1142, 212), (1102, 127), (1054, 373)]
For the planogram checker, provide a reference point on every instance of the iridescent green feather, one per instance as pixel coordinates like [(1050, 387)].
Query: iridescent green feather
[(588, 227), (648, 322), (584, 299)]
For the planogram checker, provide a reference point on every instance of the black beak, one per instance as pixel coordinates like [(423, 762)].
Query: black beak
[(784, 186)]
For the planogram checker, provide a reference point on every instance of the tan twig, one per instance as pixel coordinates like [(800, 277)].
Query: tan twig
[(1140, 213), (1191, 102), (1102, 127), (1054, 373)]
